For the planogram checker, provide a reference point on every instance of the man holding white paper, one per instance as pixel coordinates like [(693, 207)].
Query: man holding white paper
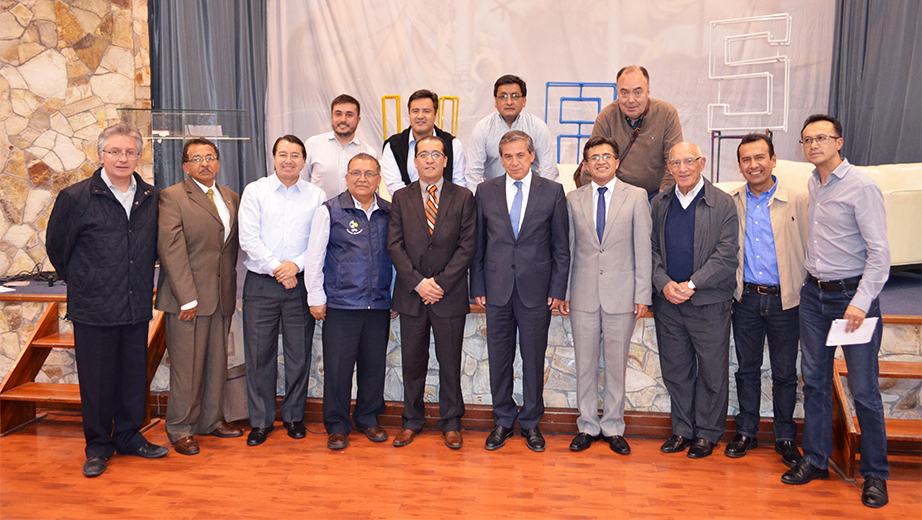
[(847, 262)]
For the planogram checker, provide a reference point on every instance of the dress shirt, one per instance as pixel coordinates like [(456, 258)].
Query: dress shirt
[(126, 199), (595, 197), (219, 203), (760, 265), (317, 251), (327, 161), (510, 195), (275, 222), (848, 232), (391, 173), (685, 200), (424, 188), (484, 147)]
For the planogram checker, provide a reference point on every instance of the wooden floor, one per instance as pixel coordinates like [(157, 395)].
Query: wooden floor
[(40, 477)]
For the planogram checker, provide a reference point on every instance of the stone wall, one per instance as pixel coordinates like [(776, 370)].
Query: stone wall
[(65, 69)]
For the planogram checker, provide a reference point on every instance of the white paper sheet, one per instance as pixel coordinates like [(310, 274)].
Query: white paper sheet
[(837, 335)]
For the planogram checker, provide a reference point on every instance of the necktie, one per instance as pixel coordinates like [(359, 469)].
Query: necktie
[(210, 195), (515, 213), (600, 214), (432, 208)]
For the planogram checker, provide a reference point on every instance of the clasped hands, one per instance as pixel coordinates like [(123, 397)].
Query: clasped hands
[(286, 274)]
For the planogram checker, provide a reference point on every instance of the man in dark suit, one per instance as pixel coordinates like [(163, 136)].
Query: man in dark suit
[(197, 289), (431, 238), (519, 275)]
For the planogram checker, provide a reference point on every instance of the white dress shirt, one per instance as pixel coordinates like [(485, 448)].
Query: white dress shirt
[(219, 203), (126, 198), (511, 191), (327, 161), (595, 198), (685, 200), (275, 222), (391, 173), (483, 148)]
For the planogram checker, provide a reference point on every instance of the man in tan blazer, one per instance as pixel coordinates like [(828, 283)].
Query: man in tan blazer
[(197, 288), (610, 288)]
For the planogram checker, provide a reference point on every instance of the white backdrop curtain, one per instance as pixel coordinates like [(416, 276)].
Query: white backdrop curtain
[(318, 49)]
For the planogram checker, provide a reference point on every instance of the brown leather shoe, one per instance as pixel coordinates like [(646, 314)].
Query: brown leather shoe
[(338, 441), (404, 437), (376, 434), (226, 431), (186, 446), (453, 440)]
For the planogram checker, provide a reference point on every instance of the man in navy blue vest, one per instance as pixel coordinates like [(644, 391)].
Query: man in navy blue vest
[(695, 246), (398, 159), (348, 278)]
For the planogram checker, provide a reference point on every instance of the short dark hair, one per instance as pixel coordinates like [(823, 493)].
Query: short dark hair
[(516, 135), (424, 94), (343, 99), (631, 68), (291, 139), (836, 125), (431, 138), (753, 137), (366, 156), (600, 140), (509, 79), (198, 140)]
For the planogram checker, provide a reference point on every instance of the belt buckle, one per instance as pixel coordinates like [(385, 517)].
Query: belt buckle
[(759, 289)]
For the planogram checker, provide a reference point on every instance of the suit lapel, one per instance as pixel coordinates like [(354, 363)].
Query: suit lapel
[(500, 195), (197, 196), (415, 193), (444, 204), (534, 195), (231, 208), (584, 199), (618, 196)]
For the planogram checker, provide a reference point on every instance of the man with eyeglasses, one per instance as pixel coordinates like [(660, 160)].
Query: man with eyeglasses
[(197, 289), (610, 229), (695, 246), (485, 163), (431, 238), (772, 238), (348, 277), (275, 229), (848, 263), (328, 154), (398, 160), (102, 241), (645, 130)]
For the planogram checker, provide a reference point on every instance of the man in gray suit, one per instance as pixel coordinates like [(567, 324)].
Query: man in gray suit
[(695, 243), (610, 229)]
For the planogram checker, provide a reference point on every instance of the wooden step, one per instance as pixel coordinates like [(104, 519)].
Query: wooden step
[(55, 341), (906, 430), (43, 393), (893, 369)]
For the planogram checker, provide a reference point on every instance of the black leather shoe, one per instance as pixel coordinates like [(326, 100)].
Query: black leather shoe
[(534, 440), (873, 494), (700, 449), (740, 445), (802, 473), (619, 445), (150, 451), (296, 430), (583, 441), (258, 436), (497, 438), (675, 444), (96, 466), (790, 455)]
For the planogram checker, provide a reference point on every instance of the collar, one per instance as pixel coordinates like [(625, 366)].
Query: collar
[(526, 181), (767, 194), (332, 137), (206, 188), (133, 185), (424, 186), (611, 185)]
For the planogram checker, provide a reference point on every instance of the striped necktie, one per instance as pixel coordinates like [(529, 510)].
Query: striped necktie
[(210, 195), (432, 208)]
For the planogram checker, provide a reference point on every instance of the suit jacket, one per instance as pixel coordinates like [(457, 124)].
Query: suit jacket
[(615, 273), (716, 245), (537, 262), (196, 263), (445, 255)]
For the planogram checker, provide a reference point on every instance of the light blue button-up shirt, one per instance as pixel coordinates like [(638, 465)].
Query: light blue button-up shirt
[(760, 264)]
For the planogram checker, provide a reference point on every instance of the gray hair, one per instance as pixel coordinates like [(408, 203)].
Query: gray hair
[(118, 129), (516, 135)]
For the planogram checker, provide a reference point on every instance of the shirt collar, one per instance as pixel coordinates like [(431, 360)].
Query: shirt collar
[(332, 137), (693, 193), (413, 136), (203, 187), (765, 194), (438, 185), (610, 185), (526, 181), (133, 185), (358, 204)]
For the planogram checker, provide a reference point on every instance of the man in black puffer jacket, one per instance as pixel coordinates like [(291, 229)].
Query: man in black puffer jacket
[(102, 240)]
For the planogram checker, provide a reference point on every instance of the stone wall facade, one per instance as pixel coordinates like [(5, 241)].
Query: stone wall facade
[(65, 69)]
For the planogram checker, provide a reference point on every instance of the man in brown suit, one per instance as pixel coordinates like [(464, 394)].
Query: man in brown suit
[(197, 288), (431, 238)]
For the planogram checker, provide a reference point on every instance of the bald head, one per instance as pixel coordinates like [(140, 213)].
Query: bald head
[(686, 164)]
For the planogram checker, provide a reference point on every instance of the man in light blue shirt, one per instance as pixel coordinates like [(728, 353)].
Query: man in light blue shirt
[(275, 223), (483, 150)]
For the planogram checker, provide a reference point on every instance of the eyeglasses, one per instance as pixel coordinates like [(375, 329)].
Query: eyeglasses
[(603, 157), (370, 174), (294, 156), (688, 161), (198, 159), (426, 155), (819, 139), (504, 97), (115, 154)]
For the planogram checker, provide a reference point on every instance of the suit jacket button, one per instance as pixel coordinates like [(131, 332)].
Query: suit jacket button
[(513, 266), (430, 248)]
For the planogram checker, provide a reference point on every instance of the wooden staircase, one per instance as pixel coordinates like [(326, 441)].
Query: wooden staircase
[(20, 394)]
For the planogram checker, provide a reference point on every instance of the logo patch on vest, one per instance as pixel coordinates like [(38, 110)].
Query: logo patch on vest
[(353, 228)]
